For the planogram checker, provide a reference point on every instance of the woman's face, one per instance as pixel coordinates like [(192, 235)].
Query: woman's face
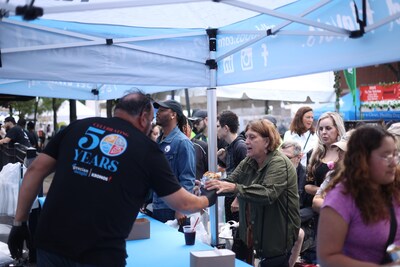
[(327, 131), (308, 119), (383, 162), (155, 133), (256, 145)]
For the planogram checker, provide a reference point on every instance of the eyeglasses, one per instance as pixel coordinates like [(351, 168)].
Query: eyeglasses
[(391, 158)]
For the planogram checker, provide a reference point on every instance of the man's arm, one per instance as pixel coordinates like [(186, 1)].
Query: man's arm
[(39, 169), (5, 140), (186, 202)]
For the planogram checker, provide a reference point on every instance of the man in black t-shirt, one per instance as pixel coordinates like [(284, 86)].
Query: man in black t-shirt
[(104, 168), (15, 134)]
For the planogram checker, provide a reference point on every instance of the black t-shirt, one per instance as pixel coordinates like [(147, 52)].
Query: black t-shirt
[(201, 149), (33, 138), (104, 169), (18, 135)]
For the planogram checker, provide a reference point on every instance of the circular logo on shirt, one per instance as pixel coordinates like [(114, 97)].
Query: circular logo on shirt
[(113, 145), (167, 149)]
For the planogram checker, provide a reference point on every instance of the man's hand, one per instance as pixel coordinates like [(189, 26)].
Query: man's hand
[(18, 235), (210, 194), (221, 154)]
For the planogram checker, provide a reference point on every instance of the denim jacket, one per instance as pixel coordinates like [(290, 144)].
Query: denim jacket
[(180, 153)]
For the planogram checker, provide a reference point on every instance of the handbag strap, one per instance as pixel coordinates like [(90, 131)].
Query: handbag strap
[(393, 227), (307, 140)]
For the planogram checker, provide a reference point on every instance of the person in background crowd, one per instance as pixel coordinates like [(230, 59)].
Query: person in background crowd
[(200, 123), (49, 133), (318, 199), (302, 131), (32, 135), (22, 123), (200, 147), (90, 207), (361, 202), (231, 156), (15, 134), (2, 132), (179, 151), (200, 127), (293, 151), (265, 183), (42, 138), (330, 129), (395, 130), (154, 132)]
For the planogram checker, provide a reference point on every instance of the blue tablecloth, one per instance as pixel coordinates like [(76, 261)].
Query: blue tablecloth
[(166, 247)]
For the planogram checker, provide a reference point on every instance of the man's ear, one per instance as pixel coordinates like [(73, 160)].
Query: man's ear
[(143, 120)]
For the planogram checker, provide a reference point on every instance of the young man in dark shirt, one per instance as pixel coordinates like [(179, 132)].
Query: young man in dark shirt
[(15, 134), (231, 155)]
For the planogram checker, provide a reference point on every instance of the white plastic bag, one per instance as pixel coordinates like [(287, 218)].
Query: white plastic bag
[(226, 233), (10, 177)]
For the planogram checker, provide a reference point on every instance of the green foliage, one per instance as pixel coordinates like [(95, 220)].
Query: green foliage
[(25, 108), (338, 90)]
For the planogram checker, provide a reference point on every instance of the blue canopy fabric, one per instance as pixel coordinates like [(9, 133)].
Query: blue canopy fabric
[(347, 110)]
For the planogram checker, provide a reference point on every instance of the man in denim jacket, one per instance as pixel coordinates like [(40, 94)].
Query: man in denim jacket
[(178, 150)]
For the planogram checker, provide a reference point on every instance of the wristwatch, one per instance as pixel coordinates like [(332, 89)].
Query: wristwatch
[(18, 223)]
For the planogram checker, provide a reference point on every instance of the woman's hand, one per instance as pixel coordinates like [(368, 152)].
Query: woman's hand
[(220, 186), (235, 205)]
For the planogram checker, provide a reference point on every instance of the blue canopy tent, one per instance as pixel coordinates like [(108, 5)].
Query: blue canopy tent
[(157, 46), (347, 110)]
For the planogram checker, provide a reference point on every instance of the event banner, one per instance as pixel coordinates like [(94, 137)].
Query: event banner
[(380, 101)]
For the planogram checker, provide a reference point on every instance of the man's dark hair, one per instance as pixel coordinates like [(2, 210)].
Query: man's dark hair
[(30, 125), (21, 122), (230, 119), (182, 122), (135, 105)]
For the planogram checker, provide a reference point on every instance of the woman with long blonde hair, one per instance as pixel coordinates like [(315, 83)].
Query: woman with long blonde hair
[(330, 129)]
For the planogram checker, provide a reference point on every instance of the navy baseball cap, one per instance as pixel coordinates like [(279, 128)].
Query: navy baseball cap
[(170, 104), (199, 115)]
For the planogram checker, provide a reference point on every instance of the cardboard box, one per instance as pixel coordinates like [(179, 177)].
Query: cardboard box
[(140, 230), (212, 258)]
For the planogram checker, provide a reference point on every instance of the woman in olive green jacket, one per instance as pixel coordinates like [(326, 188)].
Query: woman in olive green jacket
[(265, 183)]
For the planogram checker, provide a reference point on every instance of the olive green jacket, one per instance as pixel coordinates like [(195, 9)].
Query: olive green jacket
[(267, 190)]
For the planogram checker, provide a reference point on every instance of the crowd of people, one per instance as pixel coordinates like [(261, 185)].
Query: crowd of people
[(316, 194), (24, 133)]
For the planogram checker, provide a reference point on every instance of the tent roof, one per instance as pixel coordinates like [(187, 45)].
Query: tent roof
[(300, 37), (199, 14)]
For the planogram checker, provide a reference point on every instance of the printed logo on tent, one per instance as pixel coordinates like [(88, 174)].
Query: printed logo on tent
[(228, 64), (246, 58), (113, 145)]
